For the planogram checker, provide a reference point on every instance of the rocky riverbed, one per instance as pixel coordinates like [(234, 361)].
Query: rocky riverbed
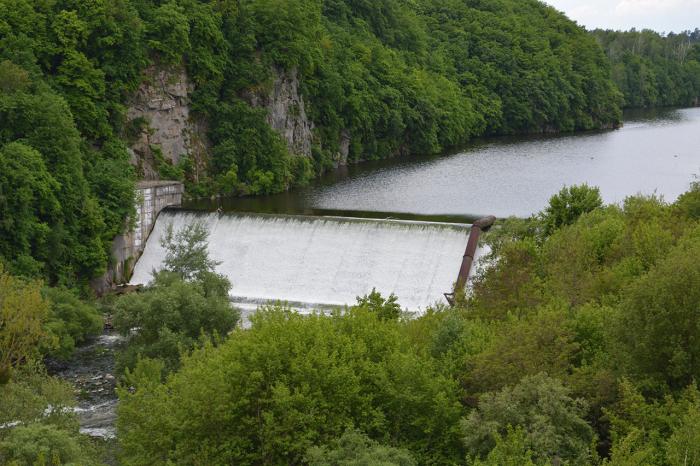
[(91, 372)]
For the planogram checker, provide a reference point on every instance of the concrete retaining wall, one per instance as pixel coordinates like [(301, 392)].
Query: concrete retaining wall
[(151, 198)]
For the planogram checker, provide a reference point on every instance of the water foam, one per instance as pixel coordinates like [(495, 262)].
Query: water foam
[(322, 261)]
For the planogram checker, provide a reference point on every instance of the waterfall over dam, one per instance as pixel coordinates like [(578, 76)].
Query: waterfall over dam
[(317, 262)]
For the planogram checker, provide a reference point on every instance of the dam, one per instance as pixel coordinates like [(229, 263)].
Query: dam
[(321, 262)]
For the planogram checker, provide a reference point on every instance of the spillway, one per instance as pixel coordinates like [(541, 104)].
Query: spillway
[(316, 262)]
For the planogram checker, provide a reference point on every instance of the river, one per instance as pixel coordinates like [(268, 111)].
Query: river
[(656, 151)]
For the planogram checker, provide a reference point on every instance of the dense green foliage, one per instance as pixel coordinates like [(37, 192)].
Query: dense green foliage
[(62, 201), (171, 316), (187, 302), (653, 69), (43, 445), (577, 346), (568, 205), (37, 424), (268, 394), (542, 408), (69, 322), (44, 430), (578, 343), (356, 449), (391, 77), (22, 313)]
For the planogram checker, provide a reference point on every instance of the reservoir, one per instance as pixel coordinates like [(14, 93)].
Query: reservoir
[(656, 151)]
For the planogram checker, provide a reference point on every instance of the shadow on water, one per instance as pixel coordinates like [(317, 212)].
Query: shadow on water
[(293, 204)]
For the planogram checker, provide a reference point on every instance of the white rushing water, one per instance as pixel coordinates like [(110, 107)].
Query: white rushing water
[(321, 261)]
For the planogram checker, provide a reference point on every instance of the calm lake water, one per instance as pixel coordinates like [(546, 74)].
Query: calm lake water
[(654, 152)]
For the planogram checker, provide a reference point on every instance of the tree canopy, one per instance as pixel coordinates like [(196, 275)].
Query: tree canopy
[(386, 78), (652, 69)]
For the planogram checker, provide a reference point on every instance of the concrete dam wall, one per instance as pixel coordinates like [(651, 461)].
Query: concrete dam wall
[(315, 262), (151, 198)]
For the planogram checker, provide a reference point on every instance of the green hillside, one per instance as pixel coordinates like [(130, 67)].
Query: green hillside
[(396, 76)]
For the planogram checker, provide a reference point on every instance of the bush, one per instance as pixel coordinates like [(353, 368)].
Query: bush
[(659, 323), (553, 423), (356, 449), (70, 321), (568, 205), (689, 202), (39, 445), (27, 396)]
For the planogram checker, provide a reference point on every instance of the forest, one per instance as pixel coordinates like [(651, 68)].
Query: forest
[(398, 76), (654, 70)]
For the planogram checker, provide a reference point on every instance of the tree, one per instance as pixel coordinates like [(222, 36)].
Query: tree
[(683, 447), (386, 309), (510, 450), (28, 197), (38, 444), (653, 69), (523, 347), (22, 311), (42, 120), (688, 203), (568, 205), (168, 32), (553, 423), (69, 322), (654, 431), (187, 251), (172, 316), (187, 301), (658, 320), (287, 384)]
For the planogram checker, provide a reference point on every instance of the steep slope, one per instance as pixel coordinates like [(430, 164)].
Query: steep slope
[(257, 96)]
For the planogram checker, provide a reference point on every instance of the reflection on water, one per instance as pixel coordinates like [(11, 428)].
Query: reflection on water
[(657, 151)]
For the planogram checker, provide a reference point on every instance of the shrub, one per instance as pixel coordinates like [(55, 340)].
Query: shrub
[(39, 445), (70, 321), (356, 449), (568, 205)]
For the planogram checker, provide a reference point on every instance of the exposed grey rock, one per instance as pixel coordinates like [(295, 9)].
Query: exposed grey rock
[(286, 111), (163, 103), (344, 147)]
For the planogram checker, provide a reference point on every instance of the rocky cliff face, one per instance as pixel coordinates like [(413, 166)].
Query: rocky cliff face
[(165, 129), (286, 111)]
